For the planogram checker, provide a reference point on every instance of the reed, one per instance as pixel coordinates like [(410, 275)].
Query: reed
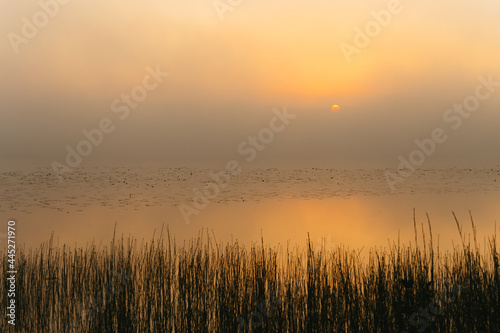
[(209, 286)]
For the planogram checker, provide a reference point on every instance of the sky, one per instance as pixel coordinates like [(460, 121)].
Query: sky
[(231, 63)]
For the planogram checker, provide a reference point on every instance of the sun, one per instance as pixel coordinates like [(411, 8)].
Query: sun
[(335, 107)]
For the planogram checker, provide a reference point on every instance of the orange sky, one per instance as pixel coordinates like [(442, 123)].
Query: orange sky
[(260, 56)]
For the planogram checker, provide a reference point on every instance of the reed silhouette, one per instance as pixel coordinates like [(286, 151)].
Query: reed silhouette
[(209, 286)]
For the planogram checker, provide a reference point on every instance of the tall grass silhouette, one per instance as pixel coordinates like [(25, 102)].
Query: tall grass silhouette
[(209, 286)]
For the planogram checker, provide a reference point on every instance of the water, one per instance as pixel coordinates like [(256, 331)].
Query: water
[(355, 208)]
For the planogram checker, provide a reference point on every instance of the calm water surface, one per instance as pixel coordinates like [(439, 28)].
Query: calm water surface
[(354, 208)]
